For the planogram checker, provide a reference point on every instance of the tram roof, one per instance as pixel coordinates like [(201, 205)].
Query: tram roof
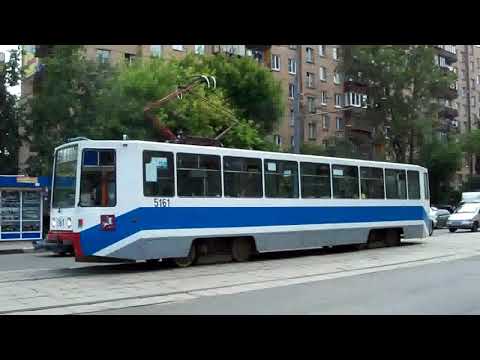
[(210, 149)]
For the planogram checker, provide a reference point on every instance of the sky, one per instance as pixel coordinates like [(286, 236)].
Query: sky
[(4, 48)]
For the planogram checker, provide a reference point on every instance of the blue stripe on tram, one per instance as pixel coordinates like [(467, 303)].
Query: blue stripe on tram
[(93, 239)]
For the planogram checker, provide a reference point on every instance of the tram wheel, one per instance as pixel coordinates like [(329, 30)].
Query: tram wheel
[(188, 260), (241, 249), (392, 238)]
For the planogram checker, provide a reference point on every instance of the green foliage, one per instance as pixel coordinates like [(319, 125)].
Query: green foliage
[(403, 86), (442, 160), (337, 147), (66, 105), (10, 115), (252, 90)]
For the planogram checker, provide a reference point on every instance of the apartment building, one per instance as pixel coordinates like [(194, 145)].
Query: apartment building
[(468, 103)]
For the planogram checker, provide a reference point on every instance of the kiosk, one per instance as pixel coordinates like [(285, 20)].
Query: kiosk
[(21, 207)]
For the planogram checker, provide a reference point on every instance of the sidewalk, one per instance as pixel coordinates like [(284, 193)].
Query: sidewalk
[(16, 247)]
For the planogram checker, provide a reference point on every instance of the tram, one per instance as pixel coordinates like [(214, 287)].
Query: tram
[(128, 200)]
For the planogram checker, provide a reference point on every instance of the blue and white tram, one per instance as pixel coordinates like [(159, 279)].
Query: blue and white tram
[(138, 200)]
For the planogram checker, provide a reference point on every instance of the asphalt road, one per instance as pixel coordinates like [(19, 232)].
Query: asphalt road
[(446, 288), (436, 276)]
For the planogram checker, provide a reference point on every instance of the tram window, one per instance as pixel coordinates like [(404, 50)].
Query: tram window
[(413, 178), (242, 177), (281, 179), (198, 175), (395, 183), (371, 183), (98, 179), (158, 173), (315, 180), (345, 181)]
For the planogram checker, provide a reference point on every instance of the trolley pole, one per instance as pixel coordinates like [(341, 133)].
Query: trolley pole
[(297, 135)]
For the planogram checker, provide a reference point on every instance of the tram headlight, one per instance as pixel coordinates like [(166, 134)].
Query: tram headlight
[(69, 223)]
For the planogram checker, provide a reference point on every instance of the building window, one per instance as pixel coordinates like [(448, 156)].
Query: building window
[(335, 53), (323, 98), (340, 125), (309, 57), (200, 49), (103, 56), (292, 118), (395, 183), (315, 180), (474, 101), (129, 58), (345, 181), (322, 50), (354, 99), (338, 100), (198, 175), (275, 62), (325, 121), (292, 140), (281, 179), (293, 47), (177, 47), (312, 130), (291, 91), (311, 105), (156, 50), (336, 78), (292, 66), (325, 143), (323, 73), (371, 183), (242, 177), (310, 80), (158, 174), (277, 139)]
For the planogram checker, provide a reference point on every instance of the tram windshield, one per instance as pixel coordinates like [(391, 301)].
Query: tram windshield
[(65, 177)]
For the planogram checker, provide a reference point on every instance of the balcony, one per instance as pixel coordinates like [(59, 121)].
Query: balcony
[(447, 51), (448, 111), (355, 85)]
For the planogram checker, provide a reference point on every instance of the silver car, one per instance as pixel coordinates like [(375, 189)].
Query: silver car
[(465, 217), (439, 217)]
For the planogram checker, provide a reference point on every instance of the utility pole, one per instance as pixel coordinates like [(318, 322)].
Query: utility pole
[(298, 128)]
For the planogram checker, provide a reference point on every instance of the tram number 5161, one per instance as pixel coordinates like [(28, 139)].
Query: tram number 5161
[(161, 202)]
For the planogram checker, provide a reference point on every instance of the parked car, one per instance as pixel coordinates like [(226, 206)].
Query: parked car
[(450, 208), (439, 217), (465, 217)]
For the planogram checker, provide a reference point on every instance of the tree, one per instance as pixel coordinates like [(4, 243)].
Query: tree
[(442, 161), (252, 89), (403, 84), (66, 103), (10, 114), (202, 112), (337, 147)]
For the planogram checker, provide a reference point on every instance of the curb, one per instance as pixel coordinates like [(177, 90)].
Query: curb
[(18, 251)]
